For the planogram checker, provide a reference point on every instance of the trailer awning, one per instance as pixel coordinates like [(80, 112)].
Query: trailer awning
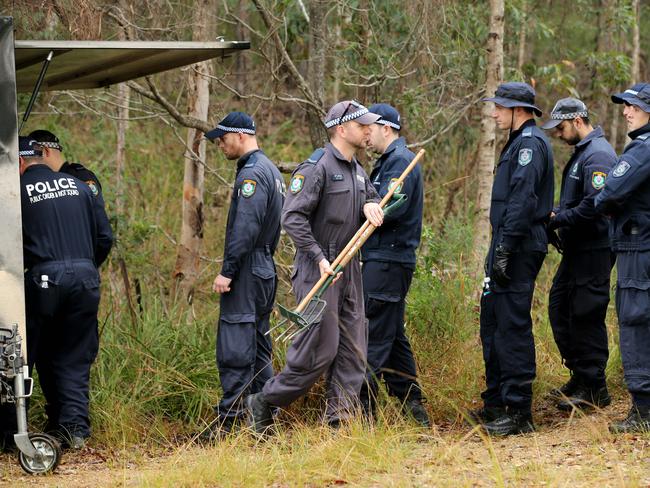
[(96, 64)]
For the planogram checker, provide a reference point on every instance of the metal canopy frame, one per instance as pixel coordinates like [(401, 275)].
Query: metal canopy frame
[(97, 64)]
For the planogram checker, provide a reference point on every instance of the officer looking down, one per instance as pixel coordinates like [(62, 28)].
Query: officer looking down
[(329, 198), (388, 264), (66, 237), (52, 151), (626, 198), (247, 280), (578, 299), (522, 199)]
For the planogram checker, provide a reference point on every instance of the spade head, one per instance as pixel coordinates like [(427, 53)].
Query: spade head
[(312, 314)]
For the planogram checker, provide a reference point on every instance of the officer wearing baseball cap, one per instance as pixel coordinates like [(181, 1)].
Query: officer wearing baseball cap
[(247, 280), (329, 197), (626, 198), (388, 264), (522, 199), (66, 237), (580, 293), (52, 150)]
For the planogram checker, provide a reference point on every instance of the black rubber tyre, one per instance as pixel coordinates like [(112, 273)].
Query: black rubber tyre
[(49, 455)]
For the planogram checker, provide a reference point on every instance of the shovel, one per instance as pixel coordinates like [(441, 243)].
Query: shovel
[(310, 310)]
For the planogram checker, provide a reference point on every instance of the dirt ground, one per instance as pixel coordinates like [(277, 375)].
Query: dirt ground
[(569, 450)]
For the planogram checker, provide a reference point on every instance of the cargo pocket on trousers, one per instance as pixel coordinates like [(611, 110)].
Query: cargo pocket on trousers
[(376, 301), (633, 303), (235, 343)]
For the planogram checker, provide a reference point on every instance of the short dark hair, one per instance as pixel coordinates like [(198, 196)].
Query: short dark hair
[(585, 120)]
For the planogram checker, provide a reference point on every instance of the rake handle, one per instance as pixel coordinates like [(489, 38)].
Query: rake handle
[(367, 226)]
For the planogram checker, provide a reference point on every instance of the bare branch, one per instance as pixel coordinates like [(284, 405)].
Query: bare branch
[(154, 94)]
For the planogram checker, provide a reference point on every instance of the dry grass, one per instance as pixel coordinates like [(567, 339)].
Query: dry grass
[(574, 451)]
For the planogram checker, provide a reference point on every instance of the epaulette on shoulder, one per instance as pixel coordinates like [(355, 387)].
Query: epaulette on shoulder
[(527, 132), (251, 162), (77, 166), (644, 137), (315, 156)]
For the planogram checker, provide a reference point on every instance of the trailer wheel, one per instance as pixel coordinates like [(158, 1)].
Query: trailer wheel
[(47, 458)]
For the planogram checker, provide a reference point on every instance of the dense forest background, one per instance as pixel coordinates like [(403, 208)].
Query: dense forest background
[(167, 195)]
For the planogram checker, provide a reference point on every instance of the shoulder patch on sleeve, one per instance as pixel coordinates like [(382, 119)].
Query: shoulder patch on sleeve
[(316, 155), (248, 188), (93, 187), (393, 182), (525, 156), (598, 179), (297, 183), (620, 169)]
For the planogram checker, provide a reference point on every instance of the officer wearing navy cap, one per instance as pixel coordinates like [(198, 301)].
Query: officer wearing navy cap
[(52, 150), (388, 264), (66, 237), (329, 197), (522, 199), (626, 198), (247, 280), (580, 293)]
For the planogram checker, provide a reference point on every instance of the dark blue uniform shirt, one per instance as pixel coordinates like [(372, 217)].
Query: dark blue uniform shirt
[(82, 173), (255, 210), (399, 236), (626, 195), (61, 219), (522, 192), (580, 226)]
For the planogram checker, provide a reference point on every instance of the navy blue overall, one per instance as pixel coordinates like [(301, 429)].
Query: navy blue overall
[(626, 198), (252, 234), (522, 200), (66, 237), (580, 293), (388, 264)]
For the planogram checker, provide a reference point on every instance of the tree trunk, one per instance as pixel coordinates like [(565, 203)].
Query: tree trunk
[(187, 258), (487, 147), (636, 44), (241, 60), (603, 44), (521, 56), (316, 66)]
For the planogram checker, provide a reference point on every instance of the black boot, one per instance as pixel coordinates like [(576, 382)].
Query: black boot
[(637, 421), (415, 409), (586, 398), (260, 414), (514, 422), (567, 389), (217, 430), (483, 415)]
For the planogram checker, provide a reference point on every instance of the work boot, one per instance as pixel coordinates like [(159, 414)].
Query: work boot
[(483, 415), (586, 398), (567, 389), (414, 408), (637, 421), (260, 414), (217, 430), (514, 422)]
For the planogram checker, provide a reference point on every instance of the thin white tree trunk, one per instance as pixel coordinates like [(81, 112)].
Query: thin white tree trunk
[(636, 43), (487, 148), (190, 242)]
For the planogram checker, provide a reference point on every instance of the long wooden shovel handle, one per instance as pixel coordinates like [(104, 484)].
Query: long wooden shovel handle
[(364, 232)]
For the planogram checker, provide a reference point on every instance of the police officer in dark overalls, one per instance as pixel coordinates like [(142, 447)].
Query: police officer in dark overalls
[(247, 280), (388, 264), (52, 151), (66, 237), (522, 199), (329, 198), (580, 293), (626, 198)]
